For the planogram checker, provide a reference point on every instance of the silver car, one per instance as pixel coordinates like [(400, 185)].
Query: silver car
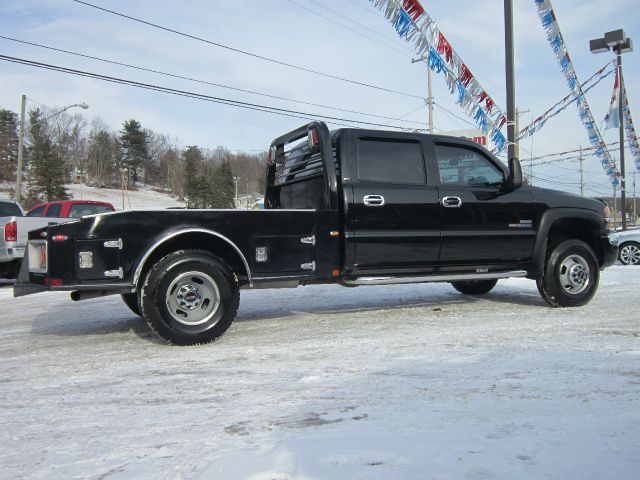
[(629, 251)]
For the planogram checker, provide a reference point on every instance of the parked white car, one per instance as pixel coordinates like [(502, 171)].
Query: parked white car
[(629, 251)]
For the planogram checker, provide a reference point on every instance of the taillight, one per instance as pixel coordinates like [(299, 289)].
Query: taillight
[(313, 138), (11, 231), (271, 157)]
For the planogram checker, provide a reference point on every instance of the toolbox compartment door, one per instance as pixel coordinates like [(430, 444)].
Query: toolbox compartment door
[(98, 259)]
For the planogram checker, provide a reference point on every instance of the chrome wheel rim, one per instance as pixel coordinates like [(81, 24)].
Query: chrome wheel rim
[(574, 275), (193, 298), (630, 254)]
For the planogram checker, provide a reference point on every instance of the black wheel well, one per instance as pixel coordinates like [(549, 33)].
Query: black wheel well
[(198, 241), (578, 229)]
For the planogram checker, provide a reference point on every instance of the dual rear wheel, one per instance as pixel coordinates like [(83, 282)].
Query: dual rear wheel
[(189, 297)]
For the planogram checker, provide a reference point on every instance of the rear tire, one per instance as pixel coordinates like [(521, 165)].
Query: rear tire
[(474, 287), (571, 275), (629, 253), (190, 297), (131, 301)]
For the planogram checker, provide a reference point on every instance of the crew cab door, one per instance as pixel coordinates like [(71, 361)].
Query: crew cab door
[(392, 221), (483, 221)]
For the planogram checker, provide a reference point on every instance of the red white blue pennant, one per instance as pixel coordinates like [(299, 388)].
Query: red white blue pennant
[(559, 47), (415, 25)]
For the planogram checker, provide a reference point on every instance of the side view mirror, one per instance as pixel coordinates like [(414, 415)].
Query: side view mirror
[(514, 181)]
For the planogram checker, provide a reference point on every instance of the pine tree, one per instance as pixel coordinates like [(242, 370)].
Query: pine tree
[(192, 159), (8, 144), (47, 169), (134, 149), (224, 186)]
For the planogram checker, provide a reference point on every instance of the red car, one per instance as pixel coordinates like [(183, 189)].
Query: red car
[(70, 209)]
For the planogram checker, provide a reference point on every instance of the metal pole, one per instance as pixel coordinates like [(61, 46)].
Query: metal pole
[(581, 173), (430, 99), (615, 207), (20, 149), (635, 206), (511, 82), (623, 188), (517, 131)]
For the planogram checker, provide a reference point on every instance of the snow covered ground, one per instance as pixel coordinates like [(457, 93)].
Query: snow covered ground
[(138, 199), (403, 382)]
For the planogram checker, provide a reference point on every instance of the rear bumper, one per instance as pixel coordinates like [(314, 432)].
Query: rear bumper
[(609, 250), (11, 252)]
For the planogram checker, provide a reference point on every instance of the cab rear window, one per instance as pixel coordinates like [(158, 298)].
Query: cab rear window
[(79, 210)]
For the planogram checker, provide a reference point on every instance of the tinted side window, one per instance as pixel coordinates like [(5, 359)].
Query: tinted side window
[(36, 212), (390, 162), (9, 210), (54, 210), (463, 166)]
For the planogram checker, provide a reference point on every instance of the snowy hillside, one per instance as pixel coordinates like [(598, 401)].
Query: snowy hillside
[(141, 198)]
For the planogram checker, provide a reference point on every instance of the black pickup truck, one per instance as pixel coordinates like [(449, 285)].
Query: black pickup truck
[(350, 206)]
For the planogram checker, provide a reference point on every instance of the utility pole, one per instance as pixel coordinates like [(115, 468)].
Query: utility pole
[(430, 99), (510, 81), (615, 207), (20, 149), (635, 202), (425, 58), (581, 158)]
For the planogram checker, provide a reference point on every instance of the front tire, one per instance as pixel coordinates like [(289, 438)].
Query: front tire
[(571, 275), (629, 253), (474, 287), (190, 297)]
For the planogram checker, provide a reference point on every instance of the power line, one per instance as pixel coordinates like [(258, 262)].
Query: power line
[(244, 52), (191, 79), (375, 32), (454, 115), (364, 8), (184, 93), (346, 27)]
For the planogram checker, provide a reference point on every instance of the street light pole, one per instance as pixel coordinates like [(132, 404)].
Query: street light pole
[(23, 107), (20, 149), (619, 43), (623, 181)]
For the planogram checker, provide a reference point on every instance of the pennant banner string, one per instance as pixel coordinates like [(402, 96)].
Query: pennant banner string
[(556, 41), (414, 24), (563, 104), (632, 137)]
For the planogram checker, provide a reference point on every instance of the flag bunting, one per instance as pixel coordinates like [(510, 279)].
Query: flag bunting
[(556, 41), (415, 25)]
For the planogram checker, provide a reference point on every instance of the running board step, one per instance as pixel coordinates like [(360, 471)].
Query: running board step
[(451, 277)]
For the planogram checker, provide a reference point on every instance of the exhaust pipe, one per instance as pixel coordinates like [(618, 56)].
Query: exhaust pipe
[(78, 295)]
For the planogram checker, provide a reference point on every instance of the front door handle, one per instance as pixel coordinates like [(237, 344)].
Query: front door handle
[(451, 202), (373, 200)]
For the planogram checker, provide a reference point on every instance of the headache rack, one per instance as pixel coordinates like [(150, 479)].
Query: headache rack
[(302, 169), (300, 164)]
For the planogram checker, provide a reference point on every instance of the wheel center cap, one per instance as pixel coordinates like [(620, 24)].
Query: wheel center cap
[(189, 297), (578, 274)]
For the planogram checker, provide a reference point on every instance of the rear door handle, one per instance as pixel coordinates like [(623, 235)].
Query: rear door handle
[(451, 202), (373, 200)]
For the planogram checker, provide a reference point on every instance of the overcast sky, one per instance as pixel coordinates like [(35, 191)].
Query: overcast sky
[(345, 38)]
